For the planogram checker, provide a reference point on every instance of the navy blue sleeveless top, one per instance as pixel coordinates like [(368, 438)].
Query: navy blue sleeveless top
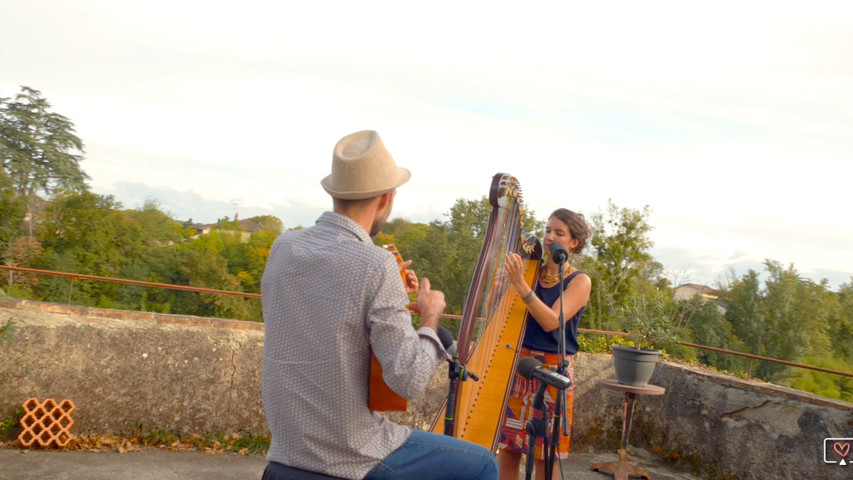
[(535, 338)]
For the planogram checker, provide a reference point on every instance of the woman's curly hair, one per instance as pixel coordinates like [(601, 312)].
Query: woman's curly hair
[(578, 227)]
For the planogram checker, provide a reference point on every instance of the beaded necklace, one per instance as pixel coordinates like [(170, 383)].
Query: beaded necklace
[(549, 278)]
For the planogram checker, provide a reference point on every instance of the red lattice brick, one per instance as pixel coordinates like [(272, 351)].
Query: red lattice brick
[(46, 423)]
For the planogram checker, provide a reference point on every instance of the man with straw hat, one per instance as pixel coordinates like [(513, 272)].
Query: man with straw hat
[(330, 296)]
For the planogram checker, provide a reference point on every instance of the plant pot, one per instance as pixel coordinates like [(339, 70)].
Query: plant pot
[(634, 367)]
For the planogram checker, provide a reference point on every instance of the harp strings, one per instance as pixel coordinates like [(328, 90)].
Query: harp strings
[(492, 284)]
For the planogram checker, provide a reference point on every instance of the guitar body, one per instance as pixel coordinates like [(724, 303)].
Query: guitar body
[(380, 397)]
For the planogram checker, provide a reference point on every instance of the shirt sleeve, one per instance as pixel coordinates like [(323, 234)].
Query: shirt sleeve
[(408, 356)]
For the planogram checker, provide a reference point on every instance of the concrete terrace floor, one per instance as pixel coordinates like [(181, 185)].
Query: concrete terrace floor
[(153, 463)]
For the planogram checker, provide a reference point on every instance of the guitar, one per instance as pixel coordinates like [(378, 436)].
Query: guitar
[(380, 397)]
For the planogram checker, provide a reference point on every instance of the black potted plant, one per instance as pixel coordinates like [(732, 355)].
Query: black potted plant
[(647, 319)]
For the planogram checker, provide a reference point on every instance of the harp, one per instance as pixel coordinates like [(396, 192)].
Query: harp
[(493, 321)]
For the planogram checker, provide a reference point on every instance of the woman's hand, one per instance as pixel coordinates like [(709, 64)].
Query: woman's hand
[(515, 271)]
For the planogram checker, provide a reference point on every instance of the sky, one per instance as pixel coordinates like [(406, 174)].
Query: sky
[(732, 121)]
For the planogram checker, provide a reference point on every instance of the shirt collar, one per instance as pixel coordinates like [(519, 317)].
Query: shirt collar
[(346, 223)]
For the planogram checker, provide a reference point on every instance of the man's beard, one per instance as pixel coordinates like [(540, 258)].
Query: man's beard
[(380, 220), (377, 226)]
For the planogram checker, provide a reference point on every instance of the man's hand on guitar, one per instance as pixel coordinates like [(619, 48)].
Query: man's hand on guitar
[(410, 280), (431, 305)]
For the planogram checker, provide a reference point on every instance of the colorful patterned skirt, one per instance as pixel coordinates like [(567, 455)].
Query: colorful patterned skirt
[(520, 408)]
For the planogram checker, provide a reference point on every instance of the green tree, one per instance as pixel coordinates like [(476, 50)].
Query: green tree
[(707, 325), (825, 384), (94, 228), (38, 148), (745, 313), (621, 264), (247, 259), (12, 211), (649, 318), (89, 234), (205, 269), (159, 227), (21, 252), (270, 222), (841, 325), (451, 249), (160, 264), (465, 230), (791, 318), (405, 235), (796, 317), (447, 251)]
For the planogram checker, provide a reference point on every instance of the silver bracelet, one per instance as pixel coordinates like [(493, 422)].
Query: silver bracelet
[(529, 297)]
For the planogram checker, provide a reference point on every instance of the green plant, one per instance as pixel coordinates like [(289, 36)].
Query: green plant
[(594, 343), (11, 427), (647, 319), (7, 331)]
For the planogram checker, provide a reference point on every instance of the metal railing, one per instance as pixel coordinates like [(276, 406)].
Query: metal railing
[(750, 356), (78, 276)]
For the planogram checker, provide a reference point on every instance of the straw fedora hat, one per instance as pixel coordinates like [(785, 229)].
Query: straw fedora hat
[(363, 168)]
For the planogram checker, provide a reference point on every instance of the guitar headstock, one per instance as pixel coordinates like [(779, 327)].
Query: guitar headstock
[(413, 306), (393, 249)]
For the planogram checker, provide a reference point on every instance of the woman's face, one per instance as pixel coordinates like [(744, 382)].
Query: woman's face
[(557, 231)]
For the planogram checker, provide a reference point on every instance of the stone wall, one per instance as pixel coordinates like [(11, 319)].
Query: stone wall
[(748, 429), (125, 369), (200, 375)]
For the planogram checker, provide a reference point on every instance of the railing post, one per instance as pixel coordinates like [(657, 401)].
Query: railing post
[(70, 289)]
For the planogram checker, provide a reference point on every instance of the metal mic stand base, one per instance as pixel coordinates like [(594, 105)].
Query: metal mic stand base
[(537, 428), (456, 372)]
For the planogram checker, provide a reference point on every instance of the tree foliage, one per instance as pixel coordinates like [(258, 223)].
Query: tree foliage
[(446, 252), (620, 264), (13, 209), (789, 318), (649, 318), (39, 150)]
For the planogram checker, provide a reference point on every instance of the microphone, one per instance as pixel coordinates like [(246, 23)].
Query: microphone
[(559, 253), (447, 341), (530, 368), (449, 345)]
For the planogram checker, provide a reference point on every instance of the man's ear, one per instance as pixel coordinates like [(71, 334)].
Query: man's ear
[(384, 200)]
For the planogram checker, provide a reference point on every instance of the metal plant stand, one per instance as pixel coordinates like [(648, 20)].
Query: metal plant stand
[(621, 469)]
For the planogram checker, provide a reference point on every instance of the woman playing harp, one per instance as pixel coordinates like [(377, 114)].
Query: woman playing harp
[(541, 341)]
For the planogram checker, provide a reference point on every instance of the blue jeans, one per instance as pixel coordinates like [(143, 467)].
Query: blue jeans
[(430, 456)]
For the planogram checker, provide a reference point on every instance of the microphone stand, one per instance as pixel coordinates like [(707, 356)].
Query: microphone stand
[(537, 429), (561, 418), (456, 372)]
